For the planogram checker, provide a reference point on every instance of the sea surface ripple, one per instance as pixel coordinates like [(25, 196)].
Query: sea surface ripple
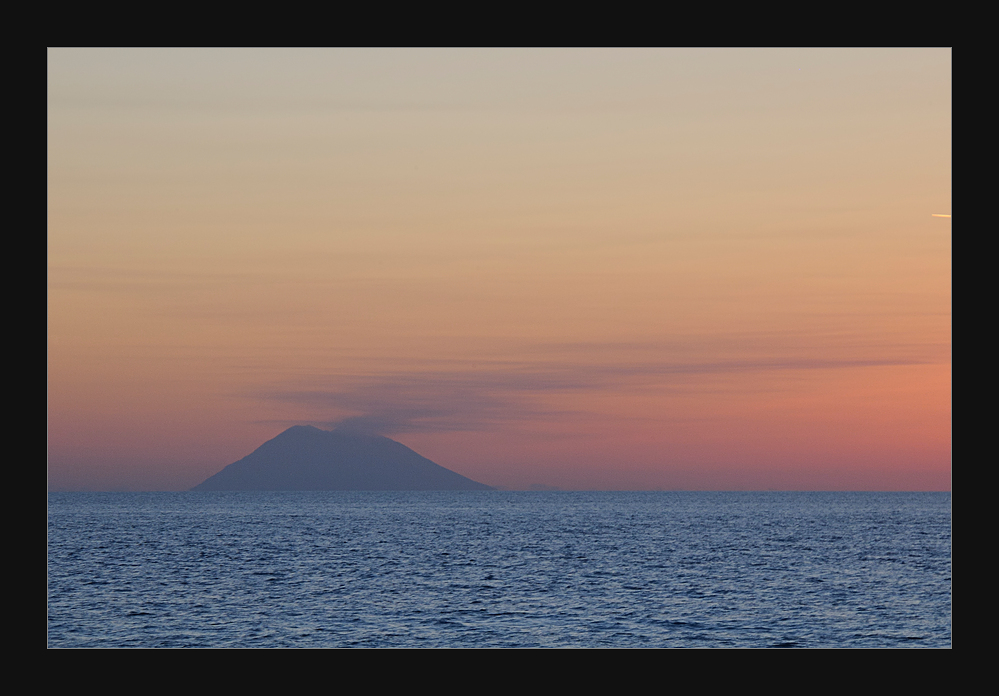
[(499, 569)]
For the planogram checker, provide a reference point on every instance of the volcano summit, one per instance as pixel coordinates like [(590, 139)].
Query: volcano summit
[(304, 458)]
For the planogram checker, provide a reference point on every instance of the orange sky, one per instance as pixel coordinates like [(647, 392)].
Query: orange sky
[(664, 269)]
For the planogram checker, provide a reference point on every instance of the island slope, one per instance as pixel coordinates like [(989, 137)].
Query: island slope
[(304, 458)]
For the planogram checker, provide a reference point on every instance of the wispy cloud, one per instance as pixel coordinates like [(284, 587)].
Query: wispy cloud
[(485, 395)]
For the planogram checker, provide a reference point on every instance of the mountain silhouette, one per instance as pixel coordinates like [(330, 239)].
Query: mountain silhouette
[(304, 458)]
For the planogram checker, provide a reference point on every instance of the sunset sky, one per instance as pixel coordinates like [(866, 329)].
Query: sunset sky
[(585, 269)]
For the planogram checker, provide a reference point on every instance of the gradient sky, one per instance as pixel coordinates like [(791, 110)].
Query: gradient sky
[(602, 269)]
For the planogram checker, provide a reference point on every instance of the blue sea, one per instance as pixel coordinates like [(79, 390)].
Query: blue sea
[(499, 570)]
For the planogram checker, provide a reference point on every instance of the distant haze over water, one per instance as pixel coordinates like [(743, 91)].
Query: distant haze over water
[(588, 269)]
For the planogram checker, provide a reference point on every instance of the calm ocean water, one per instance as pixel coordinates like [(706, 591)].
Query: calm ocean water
[(499, 569)]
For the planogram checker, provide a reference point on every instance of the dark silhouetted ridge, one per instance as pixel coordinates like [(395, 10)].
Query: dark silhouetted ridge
[(303, 458)]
